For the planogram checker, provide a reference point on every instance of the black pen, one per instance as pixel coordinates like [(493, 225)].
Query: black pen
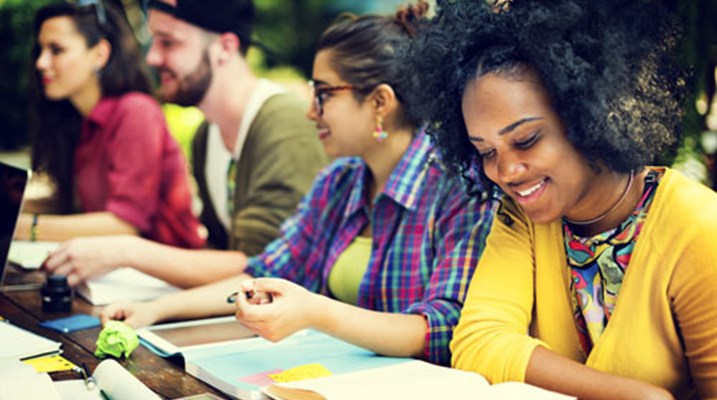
[(259, 296), (232, 298)]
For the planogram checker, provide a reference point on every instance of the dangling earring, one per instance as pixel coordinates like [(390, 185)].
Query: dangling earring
[(97, 71), (379, 134)]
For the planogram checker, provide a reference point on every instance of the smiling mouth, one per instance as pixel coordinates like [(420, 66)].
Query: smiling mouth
[(166, 76), (323, 133), (531, 190)]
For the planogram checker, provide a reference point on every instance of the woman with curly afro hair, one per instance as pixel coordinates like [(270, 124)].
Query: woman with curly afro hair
[(598, 279)]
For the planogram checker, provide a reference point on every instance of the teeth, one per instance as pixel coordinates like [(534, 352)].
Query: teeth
[(531, 190)]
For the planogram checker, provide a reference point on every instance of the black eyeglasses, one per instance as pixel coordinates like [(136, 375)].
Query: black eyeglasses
[(100, 12), (319, 94)]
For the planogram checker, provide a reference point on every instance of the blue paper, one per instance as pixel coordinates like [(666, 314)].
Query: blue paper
[(71, 324)]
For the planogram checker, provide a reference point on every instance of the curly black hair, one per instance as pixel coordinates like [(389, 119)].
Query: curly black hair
[(609, 67)]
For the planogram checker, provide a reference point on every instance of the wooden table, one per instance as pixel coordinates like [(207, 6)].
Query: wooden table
[(165, 377)]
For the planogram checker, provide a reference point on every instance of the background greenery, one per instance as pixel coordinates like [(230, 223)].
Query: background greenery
[(696, 155), (288, 29)]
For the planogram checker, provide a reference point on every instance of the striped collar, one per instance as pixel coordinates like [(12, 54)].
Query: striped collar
[(406, 182)]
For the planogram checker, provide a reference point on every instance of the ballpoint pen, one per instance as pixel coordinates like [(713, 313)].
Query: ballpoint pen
[(267, 297), (232, 298)]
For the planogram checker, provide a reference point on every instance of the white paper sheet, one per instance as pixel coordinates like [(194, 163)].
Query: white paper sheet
[(123, 284)]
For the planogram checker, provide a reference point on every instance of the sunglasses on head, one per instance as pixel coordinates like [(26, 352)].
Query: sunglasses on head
[(100, 12)]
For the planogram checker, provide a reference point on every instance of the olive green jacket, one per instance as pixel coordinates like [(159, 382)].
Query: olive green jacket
[(279, 161)]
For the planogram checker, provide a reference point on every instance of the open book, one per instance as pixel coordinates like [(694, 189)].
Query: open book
[(240, 364), (17, 343), (112, 382), (416, 380), (313, 365)]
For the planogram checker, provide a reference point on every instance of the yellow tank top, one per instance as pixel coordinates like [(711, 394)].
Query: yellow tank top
[(350, 267)]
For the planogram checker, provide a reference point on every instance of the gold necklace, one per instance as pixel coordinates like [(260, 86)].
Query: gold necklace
[(608, 212)]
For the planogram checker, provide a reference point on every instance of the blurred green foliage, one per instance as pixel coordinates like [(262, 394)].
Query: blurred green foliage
[(16, 18), (699, 52), (289, 30), (183, 122)]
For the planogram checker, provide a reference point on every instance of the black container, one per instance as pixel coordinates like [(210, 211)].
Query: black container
[(56, 295)]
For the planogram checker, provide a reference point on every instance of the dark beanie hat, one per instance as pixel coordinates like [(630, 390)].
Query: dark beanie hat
[(219, 16)]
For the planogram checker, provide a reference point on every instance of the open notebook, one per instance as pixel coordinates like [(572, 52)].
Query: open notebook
[(312, 365), (112, 380), (416, 380)]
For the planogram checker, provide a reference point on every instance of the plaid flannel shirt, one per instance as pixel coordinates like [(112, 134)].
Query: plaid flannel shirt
[(427, 237)]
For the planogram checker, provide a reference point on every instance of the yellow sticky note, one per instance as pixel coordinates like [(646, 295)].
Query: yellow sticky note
[(301, 372), (55, 363)]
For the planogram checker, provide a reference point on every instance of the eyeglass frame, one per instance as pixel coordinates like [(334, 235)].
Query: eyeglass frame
[(318, 91), (100, 12)]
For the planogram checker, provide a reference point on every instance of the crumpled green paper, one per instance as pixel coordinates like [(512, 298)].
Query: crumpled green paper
[(116, 339)]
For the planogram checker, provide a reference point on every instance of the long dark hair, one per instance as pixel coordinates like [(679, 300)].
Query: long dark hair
[(55, 126)]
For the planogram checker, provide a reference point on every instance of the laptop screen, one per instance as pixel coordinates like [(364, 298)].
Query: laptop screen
[(12, 188)]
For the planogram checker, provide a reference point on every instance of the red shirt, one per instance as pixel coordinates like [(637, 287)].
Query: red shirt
[(127, 163)]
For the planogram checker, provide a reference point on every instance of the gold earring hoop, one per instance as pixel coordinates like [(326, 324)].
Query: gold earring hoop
[(379, 134)]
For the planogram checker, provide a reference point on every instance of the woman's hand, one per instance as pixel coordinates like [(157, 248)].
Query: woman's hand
[(275, 308), (135, 315), (85, 258)]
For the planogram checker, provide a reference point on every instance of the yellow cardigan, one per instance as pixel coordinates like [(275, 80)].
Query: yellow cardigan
[(664, 326)]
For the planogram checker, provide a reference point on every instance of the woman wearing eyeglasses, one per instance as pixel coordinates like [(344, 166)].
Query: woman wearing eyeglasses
[(381, 249), (100, 137)]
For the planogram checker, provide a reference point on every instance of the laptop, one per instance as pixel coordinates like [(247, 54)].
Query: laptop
[(13, 182)]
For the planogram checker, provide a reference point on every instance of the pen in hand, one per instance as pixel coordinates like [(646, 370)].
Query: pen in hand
[(253, 296)]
